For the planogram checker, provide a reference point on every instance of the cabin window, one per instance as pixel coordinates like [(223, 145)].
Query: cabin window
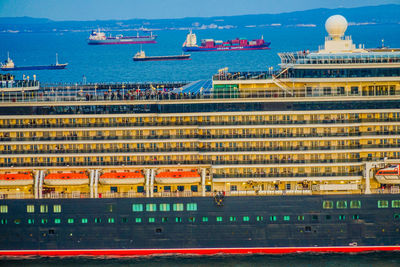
[(272, 218), (286, 218), (3, 221), (383, 204), (341, 204), (44, 221), (327, 204), (396, 216), (84, 220), (70, 220), (97, 220), (395, 203), (56, 208), (164, 207), (232, 219), (191, 206), (300, 218), (17, 221), (44, 208), (138, 220), (31, 221), (30, 208), (260, 218), (219, 219), (178, 219), (57, 221), (110, 220), (355, 204), (151, 220), (204, 219), (328, 217), (246, 218), (314, 218), (192, 219), (178, 206), (3, 208), (342, 217), (140, 189), (137, 207), (124, 220), (233, 187), (164, 219), (356, 217)]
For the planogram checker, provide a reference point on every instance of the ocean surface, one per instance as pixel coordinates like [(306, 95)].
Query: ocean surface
[(113, 63)]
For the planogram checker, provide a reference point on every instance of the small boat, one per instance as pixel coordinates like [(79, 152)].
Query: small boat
[(9, 65), (55, 179), (389, 175), (10, 179), (98, 37), (122, 178), (178, 177), (141, 56)]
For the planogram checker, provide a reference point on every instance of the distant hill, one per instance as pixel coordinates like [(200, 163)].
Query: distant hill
[(383, 14)]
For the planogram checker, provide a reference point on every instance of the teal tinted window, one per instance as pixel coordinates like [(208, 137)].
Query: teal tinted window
[(111, 220), (396, 216), (57, 221), (260, 218), (151, 207), (164, 207), (300, 218), (328, 217), (342, 217), (395, 203), (355, 204), (178, 207), (137, 207), (286, 218), (97, 220), (192, 219), (341, 204), (151, 220), (204, 219), (17, 221), (44, 221), (138, 220), (356, 217), (191, 206), (70, 220), (124, 220), (3, 221), (84, 220), (383, 203), (272, 218), (219, 219), (327, 204), (164, 219), (232, 219), (31, 221), (246, 218), (178, 219)]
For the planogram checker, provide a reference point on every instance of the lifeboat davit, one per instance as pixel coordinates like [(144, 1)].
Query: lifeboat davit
[(66, 179), (121, 178), (20, 179), (179, 177), (389, 175)]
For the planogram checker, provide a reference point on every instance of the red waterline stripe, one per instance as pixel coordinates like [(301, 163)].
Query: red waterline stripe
[(196, 251)]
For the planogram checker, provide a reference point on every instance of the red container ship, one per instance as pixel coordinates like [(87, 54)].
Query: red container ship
[(190, 45)]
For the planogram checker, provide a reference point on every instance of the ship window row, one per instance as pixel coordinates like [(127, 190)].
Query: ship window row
[(164, 207), (205, 120), (342, 73), (191, 219), (341, 204), (201, 107)]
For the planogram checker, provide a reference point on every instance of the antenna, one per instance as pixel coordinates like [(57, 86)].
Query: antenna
[(8, 56), (56, 59)]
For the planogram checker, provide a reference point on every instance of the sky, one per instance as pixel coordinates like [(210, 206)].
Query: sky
[(162, 9)]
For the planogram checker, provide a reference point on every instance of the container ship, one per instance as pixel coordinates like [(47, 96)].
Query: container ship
[(98, 37), (141, 56), (217, 45), (9, 65), (301, 159)]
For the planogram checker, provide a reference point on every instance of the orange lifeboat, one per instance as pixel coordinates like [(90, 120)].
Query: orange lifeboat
[(15, 179), (178, 177), (389, 175), (121, 178), (55, 179)]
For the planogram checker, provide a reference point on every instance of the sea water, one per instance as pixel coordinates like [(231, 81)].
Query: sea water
[(113, 63)]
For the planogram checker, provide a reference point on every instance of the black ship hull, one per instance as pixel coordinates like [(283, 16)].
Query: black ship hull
[(263, 224), (162, 58)]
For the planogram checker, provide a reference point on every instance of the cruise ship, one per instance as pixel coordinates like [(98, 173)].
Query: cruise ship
[(302, 159)]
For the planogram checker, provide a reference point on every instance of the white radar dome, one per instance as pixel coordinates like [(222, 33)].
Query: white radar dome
[(336, 26)]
